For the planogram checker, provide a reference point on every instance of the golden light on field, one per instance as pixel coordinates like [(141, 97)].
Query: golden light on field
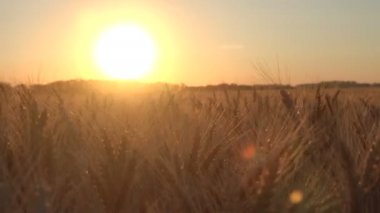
[(125, 51)]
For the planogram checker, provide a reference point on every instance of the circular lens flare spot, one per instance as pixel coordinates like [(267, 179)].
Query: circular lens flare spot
[(249, 151), (296, 196)]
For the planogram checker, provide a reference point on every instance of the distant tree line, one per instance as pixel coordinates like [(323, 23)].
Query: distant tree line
[(85, 85), (324, 84)]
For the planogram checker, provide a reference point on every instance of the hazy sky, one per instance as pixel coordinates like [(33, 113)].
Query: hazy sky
[(203, 42)]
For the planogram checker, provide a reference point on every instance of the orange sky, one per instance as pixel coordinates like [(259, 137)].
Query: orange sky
[(200, 42)]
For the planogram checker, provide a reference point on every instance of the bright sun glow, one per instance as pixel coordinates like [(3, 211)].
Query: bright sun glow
[(125, 51)]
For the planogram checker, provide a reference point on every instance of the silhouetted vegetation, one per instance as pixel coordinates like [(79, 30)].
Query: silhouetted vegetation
[(173, 149)]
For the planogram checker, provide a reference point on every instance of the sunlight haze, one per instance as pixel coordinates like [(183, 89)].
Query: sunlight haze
[(198, 42)]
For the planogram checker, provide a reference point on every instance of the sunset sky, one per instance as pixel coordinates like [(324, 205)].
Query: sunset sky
[(199, 42)]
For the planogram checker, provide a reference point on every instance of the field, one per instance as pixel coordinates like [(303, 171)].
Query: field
[(117, 148)]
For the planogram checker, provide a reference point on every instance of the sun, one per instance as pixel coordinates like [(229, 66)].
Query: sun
[(125, 51)]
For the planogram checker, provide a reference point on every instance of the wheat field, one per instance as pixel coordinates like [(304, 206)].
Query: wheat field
[(174, 149)]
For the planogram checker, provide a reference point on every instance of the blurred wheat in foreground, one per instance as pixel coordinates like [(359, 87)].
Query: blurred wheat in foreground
[(81, 149)]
